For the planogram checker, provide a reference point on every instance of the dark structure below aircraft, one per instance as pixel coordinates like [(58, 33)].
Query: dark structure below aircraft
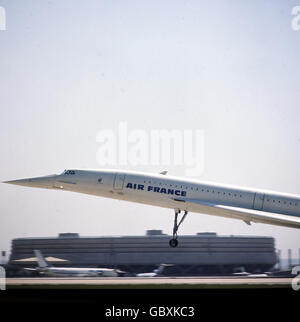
[(201, 254)]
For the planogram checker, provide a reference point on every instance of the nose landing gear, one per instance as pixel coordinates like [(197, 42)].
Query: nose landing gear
[(174, 242)]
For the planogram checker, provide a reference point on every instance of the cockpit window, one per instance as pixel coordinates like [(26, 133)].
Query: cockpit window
[(69, 172)]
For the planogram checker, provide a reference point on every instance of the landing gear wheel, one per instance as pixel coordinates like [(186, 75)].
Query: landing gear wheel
[(173, 242)]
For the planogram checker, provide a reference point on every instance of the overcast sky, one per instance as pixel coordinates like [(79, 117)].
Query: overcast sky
[(70, 69)]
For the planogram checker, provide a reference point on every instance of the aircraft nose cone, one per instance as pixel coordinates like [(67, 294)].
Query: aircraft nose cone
[(21, 182), (39, 182)]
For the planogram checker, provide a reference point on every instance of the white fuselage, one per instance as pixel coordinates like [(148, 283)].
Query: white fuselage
[(178, 193)]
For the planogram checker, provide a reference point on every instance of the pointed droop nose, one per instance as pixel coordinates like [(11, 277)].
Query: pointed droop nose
[(38, 182)]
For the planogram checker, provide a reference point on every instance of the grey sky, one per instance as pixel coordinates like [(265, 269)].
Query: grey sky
[(69, 69)]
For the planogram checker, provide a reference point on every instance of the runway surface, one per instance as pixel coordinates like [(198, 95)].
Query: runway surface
[(157, 281)]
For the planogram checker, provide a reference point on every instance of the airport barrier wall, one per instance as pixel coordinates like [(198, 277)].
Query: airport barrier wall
[(151, 250)]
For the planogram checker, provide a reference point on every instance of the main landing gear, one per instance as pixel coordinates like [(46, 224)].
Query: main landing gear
[(174, 242)]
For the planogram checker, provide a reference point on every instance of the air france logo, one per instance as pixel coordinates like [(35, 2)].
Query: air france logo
[(174, 192)]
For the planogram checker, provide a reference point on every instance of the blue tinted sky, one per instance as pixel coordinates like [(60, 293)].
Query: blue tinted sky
[(69, 69)]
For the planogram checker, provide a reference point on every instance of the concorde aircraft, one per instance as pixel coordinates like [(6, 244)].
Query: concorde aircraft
[(180, 194), (46, 269)]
